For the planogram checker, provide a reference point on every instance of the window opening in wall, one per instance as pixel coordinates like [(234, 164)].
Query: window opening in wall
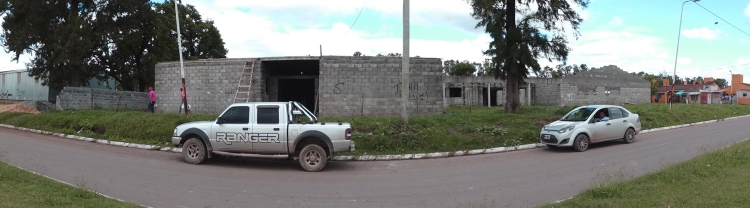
[(613, 90), (744, 94), (454, 92), (3, 78), (19, 78)]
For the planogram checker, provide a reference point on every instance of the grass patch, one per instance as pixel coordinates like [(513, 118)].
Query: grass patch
[(117, 125), (20, 188), (458, 128), (716, 179)]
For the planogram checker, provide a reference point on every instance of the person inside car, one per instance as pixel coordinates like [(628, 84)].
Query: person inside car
[(601, 117)]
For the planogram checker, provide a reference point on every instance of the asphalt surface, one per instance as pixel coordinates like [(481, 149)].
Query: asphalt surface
[(523, 178)]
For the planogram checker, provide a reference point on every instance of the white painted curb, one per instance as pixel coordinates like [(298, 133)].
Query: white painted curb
[(363, 157)]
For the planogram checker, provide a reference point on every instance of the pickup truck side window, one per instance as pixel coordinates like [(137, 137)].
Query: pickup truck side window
[(268, 115), (237, 115)]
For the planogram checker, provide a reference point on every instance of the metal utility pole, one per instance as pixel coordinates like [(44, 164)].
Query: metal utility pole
[(679, 30), (405, 67), (182, 68)]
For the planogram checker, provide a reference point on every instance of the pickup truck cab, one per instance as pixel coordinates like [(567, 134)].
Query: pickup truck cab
[(265, 130)]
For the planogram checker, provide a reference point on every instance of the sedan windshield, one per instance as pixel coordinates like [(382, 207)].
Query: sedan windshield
[(578, 114)]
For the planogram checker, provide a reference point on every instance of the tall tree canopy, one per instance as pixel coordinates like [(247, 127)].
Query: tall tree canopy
[(519, 31), (73, 41)]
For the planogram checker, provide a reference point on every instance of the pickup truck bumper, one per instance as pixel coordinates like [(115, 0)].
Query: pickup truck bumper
[(343, 146), (176, 140)]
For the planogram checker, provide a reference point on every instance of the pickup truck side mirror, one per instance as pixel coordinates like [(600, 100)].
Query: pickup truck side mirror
[(220, 120)]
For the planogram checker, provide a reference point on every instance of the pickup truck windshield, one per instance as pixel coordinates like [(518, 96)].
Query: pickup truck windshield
[(578, 114)]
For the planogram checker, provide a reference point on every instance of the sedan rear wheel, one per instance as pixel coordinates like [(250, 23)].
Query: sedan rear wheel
[(629, 136), (581, 143)]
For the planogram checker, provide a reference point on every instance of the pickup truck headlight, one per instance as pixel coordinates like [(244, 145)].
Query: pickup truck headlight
[(563, 130), (175, 132)]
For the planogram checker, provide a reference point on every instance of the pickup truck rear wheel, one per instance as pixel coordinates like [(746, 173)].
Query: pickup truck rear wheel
[(312, 158), (194, 151)]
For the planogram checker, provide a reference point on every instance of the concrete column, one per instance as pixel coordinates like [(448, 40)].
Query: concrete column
[(528, 92), (489, 101), (445, 104)]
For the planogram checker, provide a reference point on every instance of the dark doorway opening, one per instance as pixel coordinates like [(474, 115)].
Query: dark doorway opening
[(300, 90), (493, 96)]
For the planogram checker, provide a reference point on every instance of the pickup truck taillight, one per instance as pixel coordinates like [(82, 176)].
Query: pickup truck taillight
[(348, 134)]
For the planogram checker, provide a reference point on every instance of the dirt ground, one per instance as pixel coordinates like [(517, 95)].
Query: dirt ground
[(17, 108)]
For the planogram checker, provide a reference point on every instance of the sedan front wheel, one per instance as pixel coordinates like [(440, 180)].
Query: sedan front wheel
[(581, 143)]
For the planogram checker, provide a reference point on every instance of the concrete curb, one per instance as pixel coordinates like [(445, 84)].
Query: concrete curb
[(363, 157)]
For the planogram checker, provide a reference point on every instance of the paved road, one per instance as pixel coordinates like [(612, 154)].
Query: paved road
[(514, 179)]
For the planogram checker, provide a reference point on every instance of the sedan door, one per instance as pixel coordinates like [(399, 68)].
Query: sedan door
[(619, 123)]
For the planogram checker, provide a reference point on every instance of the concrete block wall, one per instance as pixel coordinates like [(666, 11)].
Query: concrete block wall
[(545, 91), (589, 87), (371, 86), (211, 84), (88, 98)]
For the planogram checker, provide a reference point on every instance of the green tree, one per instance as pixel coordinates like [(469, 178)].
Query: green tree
[(73, 41), (58, 34), (462, 69), (518, 41), (357, 53), (721, 82), (128, 50), (200, 38)]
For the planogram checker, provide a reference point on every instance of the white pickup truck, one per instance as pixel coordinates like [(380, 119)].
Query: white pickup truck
[(265, 130)]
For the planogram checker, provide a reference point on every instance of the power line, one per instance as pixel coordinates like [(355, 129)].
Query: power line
[(722, 19), (355, 20)]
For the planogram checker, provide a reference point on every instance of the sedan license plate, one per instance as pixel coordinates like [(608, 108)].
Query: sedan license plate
[(546, 137)]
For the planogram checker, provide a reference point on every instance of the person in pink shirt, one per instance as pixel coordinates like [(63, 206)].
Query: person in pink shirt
[(151, 99)]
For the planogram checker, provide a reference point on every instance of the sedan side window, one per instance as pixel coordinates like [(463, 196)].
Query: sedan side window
[(237, 115), (615, 113), (625, 113)]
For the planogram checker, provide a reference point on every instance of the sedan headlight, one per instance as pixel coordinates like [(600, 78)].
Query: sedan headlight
[(563, 130)]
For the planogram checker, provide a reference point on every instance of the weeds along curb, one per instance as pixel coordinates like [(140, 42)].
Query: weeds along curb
[(66, 183), (363, 157)]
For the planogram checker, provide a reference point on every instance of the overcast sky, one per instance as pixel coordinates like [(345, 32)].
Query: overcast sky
[(636, 35)]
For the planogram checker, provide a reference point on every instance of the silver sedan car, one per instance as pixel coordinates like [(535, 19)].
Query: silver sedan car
[(586, 125)]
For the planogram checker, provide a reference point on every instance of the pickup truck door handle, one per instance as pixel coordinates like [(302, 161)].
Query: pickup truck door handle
[(275, 129), (624, 121), (609, 124), (244, 129)]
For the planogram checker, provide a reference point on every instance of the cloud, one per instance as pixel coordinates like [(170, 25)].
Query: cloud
[(253, 28), (5, 59), (702, 33), (616, 21), (630, 51)]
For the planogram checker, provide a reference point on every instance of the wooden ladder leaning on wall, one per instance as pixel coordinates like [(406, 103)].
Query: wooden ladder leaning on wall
[(245, 83)]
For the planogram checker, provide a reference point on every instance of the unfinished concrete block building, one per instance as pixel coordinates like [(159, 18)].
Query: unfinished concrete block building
[(605, 85), (332, 86), (344, 86)]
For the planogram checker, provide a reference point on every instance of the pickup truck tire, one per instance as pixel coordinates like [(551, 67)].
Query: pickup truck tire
[(194, 151), (312, 158)]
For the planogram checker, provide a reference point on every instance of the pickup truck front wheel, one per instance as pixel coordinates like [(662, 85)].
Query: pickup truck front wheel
[(312, 158), (193, 151)]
